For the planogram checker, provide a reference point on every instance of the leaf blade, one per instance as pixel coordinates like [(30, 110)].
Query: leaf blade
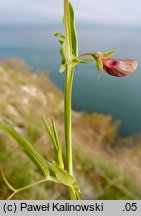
[(27, 148), (108, 54), (68, 46), (74, 39)]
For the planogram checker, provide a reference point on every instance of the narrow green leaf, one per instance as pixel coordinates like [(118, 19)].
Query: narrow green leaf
[(60, 37), (63, 176), (59, 154), (55, 134), (99, 63), (108, 54), (62, 68), (55, 141), (27, 148), (73, 42), (50, 133), (63, 51), (99, 66), (74, 39), (66, 179)]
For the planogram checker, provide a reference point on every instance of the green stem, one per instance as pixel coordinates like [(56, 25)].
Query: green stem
[(25, 187), (68, 132), (72, 194), (68, 93), (68, 88), (85, 54), (68, 135), (15, 191), (67, 29)]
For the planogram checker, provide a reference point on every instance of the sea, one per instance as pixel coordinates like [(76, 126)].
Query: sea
[(119, 97)]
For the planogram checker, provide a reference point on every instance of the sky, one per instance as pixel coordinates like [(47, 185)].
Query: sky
[(115, 12)]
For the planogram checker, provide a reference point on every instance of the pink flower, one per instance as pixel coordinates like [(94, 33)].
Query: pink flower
[(119, 68)]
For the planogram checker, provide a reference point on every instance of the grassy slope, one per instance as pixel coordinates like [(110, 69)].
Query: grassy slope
[(103, 172)]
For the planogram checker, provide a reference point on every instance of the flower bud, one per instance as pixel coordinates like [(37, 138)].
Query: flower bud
[(119, 68)]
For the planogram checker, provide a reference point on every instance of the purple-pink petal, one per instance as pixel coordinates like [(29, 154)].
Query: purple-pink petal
[(119, 68)]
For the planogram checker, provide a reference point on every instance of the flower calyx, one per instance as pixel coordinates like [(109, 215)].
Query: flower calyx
[(99, 56)]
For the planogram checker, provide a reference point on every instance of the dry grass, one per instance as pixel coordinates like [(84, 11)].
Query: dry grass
[(105, 166)]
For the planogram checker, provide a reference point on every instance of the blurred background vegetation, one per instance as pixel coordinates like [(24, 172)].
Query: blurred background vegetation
[(106, 165)]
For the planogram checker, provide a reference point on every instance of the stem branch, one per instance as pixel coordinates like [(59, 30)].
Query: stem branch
[(86, 54)]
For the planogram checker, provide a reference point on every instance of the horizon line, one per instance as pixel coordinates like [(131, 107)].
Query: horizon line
[(79, 24)]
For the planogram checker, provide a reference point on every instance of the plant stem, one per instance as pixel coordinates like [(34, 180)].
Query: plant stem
[(68, 93), (67, 29), (68, 132), (68, 135), (85, 54), (68, 88)]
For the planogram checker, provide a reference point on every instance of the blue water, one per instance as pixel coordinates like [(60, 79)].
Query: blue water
[(119, 97)]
